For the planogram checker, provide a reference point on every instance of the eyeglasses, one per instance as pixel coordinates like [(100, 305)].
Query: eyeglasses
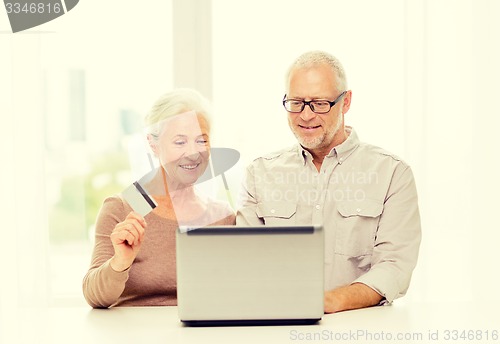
[(317, 105)]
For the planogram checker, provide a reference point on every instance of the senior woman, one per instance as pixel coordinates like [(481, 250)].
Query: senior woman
[(133, 262)]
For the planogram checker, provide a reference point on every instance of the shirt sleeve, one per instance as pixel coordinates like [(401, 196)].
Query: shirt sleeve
[(247, 201), (102, 286), (397, 239)]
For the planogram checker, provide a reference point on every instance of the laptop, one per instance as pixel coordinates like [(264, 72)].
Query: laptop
[(250, 275)]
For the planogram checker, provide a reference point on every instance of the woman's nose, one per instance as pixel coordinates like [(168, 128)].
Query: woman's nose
[(194, 150)]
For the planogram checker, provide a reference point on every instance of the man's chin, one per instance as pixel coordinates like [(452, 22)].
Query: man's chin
[(310, 143)]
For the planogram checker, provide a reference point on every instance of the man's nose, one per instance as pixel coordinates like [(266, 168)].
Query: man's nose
[(307, 114)]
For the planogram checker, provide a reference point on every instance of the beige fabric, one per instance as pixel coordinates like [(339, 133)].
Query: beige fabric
[(364, 197), (151, 280)]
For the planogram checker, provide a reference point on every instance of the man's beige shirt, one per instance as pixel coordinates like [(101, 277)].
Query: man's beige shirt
[(364, 197)]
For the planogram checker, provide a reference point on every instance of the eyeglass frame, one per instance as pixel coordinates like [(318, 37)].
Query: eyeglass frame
[(308, 103)]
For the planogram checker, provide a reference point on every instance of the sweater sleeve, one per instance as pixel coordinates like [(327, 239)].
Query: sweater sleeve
[(102, 286)]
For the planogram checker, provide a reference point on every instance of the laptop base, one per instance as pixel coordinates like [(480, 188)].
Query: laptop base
[(265, 322)]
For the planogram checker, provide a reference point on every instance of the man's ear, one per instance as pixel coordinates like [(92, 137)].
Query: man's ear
[(346, 102), (153, 144)]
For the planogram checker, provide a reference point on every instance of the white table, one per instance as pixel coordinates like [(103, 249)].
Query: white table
[(145, 325)]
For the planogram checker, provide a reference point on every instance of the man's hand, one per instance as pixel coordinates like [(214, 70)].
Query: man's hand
[(356, 295)]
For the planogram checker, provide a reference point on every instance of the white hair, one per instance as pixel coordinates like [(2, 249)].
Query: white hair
[(317, 57), (173, 103)]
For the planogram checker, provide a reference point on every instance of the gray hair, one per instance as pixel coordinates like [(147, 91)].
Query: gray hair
[(174, 103), (317, 57)]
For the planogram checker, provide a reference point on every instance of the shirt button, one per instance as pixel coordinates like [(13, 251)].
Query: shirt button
[(273, 211), (317, 206), (358, 210)]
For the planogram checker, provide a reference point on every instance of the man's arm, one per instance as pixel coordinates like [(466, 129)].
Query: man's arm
[(397, 239), (354, 296)]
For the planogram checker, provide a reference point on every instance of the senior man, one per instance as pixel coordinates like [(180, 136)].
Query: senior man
[(363, 196)]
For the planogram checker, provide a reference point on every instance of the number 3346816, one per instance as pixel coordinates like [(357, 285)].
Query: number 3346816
[(16, 8)]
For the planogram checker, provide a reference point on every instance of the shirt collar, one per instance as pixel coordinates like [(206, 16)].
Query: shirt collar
[(342, 151), (303, 154)]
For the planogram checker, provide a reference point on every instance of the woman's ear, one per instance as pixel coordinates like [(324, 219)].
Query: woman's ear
[(153, 144)]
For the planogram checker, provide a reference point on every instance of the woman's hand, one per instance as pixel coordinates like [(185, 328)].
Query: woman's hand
[(126, 238)]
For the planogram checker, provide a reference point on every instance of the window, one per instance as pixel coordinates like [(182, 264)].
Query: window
[(91, 76)]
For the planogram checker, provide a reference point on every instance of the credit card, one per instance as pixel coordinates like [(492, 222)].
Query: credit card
[(138, 199)]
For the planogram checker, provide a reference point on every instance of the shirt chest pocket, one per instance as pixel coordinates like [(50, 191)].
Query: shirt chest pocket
[(277, 213), (357, 227)]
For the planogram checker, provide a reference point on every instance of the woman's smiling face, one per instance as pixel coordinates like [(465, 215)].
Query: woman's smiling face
[(183, 148)]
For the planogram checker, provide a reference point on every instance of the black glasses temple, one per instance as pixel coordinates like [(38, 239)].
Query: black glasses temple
[(338, 98)]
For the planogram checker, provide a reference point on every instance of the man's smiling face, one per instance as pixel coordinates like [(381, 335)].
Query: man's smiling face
[(315, 131)]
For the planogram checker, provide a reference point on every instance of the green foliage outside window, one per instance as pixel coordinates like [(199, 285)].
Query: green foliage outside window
[(81, 197)]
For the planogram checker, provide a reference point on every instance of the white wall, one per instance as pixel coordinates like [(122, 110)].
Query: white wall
[(255, 42), (461, 158)]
